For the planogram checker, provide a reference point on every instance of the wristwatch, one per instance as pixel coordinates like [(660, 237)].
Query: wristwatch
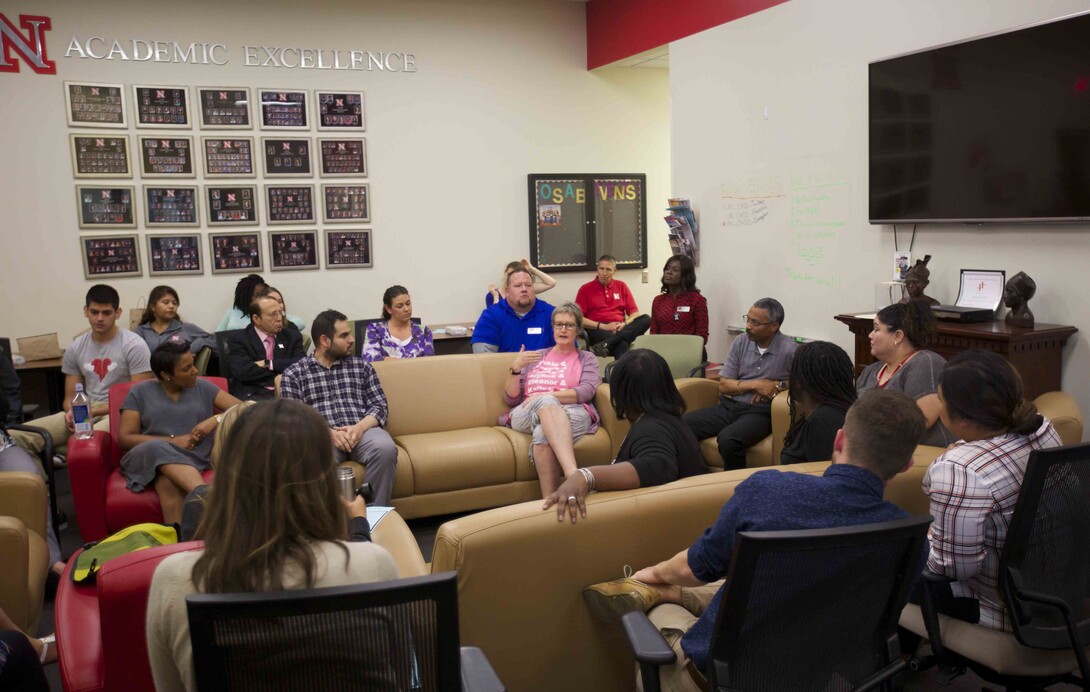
[(781, 385), (514, 372)]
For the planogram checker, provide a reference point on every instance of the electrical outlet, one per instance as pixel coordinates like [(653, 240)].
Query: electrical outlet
[(644, 278)]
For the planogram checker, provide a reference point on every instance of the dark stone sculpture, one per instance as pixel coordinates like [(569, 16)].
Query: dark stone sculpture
[(1016, 294)]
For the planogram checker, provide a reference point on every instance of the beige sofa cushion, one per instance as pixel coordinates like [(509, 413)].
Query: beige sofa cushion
[(443, 393), (458, 459)]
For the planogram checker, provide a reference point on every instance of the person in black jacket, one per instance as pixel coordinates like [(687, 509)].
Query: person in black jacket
[(262, 351), (659, 447)]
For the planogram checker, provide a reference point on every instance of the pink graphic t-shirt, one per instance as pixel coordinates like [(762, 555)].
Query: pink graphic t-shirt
[(555, 371)]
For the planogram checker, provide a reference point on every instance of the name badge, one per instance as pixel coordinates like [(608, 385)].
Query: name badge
[(533, 330), (616, 296), (683, 308), (280, 345)]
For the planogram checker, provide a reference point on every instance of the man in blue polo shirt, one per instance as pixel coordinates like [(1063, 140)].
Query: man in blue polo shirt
[(876, 443), (517, 321)]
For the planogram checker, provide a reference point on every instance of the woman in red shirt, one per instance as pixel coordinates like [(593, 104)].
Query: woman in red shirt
[(681, 309)]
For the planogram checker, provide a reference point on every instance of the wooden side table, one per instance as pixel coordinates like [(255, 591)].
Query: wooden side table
[(1037, 353)]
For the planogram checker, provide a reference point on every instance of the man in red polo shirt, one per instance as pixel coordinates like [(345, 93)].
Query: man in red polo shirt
[(610, 315)]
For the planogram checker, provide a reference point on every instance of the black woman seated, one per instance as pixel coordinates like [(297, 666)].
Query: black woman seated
[(659, 447), (899, 341), (167, 425), (822, 389), (680, 308), (248, 289)]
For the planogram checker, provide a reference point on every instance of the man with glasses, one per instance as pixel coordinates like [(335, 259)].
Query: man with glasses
[(610, 314), (755, 372), (262, 351)]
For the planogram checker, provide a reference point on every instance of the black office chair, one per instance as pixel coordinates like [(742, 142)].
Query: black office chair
[(393, 635), (361, 330), (1044, 578), (223, 350), (804, 610), (25, 411)]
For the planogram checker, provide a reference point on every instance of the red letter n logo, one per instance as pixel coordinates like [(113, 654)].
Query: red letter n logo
[(31, 46)]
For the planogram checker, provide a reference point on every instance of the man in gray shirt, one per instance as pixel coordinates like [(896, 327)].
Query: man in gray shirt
[(98, 359), (755, 372)]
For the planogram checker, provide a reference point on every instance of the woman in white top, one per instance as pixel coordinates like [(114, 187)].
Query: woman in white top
[(274, 520)]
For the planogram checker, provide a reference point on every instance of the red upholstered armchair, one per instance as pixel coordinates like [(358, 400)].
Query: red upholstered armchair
[(100, 626), (103, 504)]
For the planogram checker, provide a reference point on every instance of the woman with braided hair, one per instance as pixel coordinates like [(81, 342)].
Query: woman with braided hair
[(821, 390)]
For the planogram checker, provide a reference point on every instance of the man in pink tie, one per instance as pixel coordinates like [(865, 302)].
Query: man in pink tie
[(262, 351)]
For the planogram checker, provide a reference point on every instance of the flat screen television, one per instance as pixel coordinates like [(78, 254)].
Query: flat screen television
[(994, 129)]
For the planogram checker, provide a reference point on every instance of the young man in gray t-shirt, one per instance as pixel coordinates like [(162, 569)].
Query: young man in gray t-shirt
[(97, 359)]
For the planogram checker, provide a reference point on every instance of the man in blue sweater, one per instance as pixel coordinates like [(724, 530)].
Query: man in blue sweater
[(876, 443), (517, 321)]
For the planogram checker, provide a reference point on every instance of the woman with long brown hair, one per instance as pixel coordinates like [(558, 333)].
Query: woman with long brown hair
[(274, 520)]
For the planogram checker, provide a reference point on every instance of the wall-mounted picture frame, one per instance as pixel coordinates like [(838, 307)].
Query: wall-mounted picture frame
[(110, 256), (161, 107), (174, 205), (340, 157), (291, 250), (231, 205), (166, 157), (224, 108), (340, 110), (228, 157), (175, 254), (289, 204), (100, 207), (286, 157), (348, 249), (89, 104), (343, 203), (235, 253), (283, 109), (100, 156)]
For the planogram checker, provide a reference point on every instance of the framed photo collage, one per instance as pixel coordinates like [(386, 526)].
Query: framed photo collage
[(178, 159)]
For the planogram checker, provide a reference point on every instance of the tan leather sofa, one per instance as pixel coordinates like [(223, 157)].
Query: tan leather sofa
[(23, 550), (521, 573), (703, 393), (452, 456)]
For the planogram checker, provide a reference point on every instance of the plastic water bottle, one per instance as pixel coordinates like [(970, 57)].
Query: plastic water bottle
[(81, 414)]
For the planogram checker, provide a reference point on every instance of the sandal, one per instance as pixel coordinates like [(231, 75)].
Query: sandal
[(49, 646)]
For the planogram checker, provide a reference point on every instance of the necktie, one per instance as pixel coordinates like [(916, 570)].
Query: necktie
[(269, 343)]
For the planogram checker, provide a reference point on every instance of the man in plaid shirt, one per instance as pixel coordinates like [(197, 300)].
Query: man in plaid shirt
[(346, 391)]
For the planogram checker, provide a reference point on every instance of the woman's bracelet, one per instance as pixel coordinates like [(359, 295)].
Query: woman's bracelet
[(588, 477)]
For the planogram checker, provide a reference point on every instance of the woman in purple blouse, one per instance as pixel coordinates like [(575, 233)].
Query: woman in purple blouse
[(397, 336)]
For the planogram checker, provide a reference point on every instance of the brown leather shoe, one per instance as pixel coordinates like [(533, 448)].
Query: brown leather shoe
[(610, 600)]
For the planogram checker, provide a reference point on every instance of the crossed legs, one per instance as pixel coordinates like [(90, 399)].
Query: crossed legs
[(172, 483)]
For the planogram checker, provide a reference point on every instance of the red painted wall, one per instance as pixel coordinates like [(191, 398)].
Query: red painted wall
[(617, 29)]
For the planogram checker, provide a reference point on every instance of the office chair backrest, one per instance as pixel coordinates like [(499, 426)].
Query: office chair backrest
[(1047, 550), (223, 348), (393, 635), (682, 352), (815, 609)]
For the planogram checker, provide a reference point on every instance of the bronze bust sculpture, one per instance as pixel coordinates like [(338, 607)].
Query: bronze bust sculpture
[(916, 280), (1016, 294)]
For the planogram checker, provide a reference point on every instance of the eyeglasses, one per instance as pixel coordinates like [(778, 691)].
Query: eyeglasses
[(750, 322), (564, 326)]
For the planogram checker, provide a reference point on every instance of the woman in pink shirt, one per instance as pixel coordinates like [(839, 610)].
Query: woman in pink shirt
[(551, 390)]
